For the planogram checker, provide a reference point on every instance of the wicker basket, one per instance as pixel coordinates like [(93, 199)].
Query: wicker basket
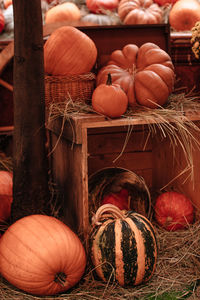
[(109, 180), (72, 87)]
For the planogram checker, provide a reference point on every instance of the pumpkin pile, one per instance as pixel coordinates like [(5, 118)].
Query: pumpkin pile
[(145, 74)]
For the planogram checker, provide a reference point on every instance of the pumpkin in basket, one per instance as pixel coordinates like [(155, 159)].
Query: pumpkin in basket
[(41, 255), (146, 74), (63, 12), (109, 99), (139, 12), (122, 246), (69, 51), (98, 6)]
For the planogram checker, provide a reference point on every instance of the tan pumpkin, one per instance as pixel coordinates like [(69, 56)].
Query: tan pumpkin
[(109, 99), (41, 255), (146, 74), (69, 51), (63, 12), (140, 12)]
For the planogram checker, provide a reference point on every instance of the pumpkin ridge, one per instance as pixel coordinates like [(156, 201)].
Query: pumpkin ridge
[(13, 251)]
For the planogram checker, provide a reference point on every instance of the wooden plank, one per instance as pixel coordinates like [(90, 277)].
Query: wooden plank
[(117, 142)]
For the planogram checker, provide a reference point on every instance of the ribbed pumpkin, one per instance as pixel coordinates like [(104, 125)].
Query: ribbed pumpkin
[(69, 51), (123, 246), (139, 12), (41, 255), (146, 74), (63, 12)]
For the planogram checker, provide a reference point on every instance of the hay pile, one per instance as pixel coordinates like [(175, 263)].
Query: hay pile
[(177, 274)]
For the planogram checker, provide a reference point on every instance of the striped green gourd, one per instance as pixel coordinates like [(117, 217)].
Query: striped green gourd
[(123, 246)]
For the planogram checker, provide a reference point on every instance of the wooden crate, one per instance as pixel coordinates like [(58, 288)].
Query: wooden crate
[(88, 143)]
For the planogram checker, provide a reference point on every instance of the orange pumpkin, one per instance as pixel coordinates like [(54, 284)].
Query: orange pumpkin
[(109, 99), (146, 74), (69, 51), (2, 21), (6, 194), (184, 14), (41, 255), (66, 11), (139, 12), (98, 6)]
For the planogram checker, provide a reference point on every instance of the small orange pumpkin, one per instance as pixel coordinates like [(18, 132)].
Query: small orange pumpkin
[(109, 99), (146, 74), (66, 11), (139, 12), (41, 255), (69, 51)]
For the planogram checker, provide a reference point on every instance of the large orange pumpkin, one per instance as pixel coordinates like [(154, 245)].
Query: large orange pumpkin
[(69, 51), (66, 11), (41, 255), (184, 14), (140, 12), (146, 74)]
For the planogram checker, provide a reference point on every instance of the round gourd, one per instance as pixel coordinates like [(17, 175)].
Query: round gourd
[(41, 255), (173, 211), (6, 194), (69, 51), (98, 6), (123, 246), (109, 99), (139, 12), (184, 14), (63, 12), (146, 74)]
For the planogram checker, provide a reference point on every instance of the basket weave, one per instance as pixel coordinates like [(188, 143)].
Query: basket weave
[(109, 180), (73, 87)]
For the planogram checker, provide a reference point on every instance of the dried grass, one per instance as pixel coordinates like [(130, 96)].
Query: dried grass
[(178, 271)]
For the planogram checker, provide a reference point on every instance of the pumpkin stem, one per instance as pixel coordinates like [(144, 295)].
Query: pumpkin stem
[(113, 211), (60, 278), (109, 79)]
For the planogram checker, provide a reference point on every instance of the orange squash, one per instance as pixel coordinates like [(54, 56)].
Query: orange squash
[(6, 194), (69, 51), (139, 12), (109, 99), (146, 74), (41, 255), (66, 11), (184, 14)]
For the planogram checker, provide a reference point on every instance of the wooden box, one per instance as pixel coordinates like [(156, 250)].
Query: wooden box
[(88, 143)]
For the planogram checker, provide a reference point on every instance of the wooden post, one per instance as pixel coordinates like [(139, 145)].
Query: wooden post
[(30, 164)]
